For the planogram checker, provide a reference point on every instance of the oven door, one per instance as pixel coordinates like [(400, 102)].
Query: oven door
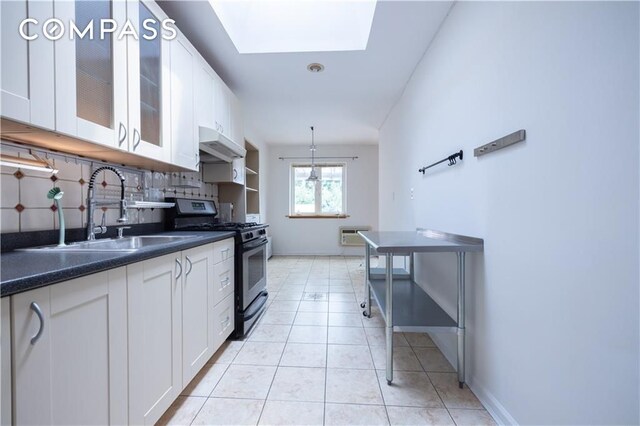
[(254, 270)]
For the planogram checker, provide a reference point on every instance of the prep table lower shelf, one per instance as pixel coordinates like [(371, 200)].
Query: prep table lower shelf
[(379, 273), (417, 308)]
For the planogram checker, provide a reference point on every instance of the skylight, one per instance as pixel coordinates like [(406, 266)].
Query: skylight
[(278, 26)]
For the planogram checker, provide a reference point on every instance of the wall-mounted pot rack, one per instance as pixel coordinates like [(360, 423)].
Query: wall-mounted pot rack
[(451, 159)]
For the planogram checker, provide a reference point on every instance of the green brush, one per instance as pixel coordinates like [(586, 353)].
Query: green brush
[(56, 194)]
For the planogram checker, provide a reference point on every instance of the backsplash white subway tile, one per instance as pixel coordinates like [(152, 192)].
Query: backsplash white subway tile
[(25, 207), (9, 191), (36, 219), (9, 220), (33, 192)]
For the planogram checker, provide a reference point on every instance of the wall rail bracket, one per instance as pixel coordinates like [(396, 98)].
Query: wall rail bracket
[(503, 142), (451, 159)]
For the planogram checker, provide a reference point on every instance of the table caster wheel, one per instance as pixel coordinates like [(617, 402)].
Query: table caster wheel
[(389, 382), (461, 385), (363, 304)]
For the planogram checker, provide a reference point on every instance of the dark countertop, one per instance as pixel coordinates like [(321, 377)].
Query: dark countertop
[(22, 271)]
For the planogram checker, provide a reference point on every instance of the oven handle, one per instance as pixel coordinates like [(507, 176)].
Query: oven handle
[(254, 244), (255, 310)]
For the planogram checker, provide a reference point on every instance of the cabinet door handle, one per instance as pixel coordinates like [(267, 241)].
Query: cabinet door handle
[(224, 253), (190, 266), (123, 134), (235, 174), (224, 282), (225, 323), (197, 160), (180, 266), (136, 139), (36, 308)]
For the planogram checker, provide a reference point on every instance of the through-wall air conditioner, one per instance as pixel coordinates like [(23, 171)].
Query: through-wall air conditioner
[(349, 235)]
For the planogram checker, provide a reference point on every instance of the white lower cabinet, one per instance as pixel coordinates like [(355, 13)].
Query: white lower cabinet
[(197, 300), (118, 346), (70, 352), (223, 275), (5, 361), (155, 336), (223, 320)]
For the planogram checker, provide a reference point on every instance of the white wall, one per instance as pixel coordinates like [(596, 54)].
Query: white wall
[(320, 236), (553, 301)]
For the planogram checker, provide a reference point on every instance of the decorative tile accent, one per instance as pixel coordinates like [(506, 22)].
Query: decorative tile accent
[(53, 208), (26, 206)]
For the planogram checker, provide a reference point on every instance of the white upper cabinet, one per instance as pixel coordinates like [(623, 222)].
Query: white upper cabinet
[(184, 143), (205, 79), (112, 90), (237, 121), (27, 78), (223, 108), (149, 68), (91, 76)]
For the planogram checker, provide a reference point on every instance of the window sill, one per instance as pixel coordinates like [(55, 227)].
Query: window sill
[(317, 216)]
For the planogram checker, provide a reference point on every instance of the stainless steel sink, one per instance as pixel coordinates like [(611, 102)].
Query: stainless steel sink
[(126, 244)]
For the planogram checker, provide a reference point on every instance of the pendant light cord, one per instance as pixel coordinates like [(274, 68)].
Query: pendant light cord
[(313, 150)]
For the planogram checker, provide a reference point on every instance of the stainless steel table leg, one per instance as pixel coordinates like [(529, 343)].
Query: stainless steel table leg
[(389, 316), (461, 308), (412, 271), (367, 277)]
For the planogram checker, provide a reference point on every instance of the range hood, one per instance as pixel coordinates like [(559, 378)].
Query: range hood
[(218, 147)]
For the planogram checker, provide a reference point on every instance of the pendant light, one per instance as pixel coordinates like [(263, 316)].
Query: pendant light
[(313, 176)]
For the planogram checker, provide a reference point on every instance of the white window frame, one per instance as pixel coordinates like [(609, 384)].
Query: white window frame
[(318, 190)]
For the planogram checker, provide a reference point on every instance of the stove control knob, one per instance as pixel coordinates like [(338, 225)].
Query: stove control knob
[(262, 232), (250, 235)]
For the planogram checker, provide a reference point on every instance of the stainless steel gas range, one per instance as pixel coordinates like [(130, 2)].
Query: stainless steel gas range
[(250, 254)]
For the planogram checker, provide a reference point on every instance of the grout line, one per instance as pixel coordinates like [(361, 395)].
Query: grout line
[(275, 373)]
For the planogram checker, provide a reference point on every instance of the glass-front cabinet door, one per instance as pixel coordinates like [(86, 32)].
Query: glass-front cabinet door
[(91, 75), (26, 77), (149, 83)]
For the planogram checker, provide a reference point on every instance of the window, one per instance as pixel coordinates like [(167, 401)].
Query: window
[(324, 197)]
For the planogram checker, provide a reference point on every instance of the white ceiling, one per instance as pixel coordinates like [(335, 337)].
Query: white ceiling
[(347, 103)]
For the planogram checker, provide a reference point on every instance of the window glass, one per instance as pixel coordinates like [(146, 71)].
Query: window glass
[(326, 196)]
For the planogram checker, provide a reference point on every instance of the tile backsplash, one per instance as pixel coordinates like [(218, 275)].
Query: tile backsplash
[(24, 205)]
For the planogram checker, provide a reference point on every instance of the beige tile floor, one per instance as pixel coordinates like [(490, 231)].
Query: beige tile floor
[(313, 359)]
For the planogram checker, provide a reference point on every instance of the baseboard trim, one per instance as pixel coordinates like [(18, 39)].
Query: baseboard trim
[(490, 402)]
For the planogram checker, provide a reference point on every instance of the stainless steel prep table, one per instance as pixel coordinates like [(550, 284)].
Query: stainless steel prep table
[(390, 286)]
